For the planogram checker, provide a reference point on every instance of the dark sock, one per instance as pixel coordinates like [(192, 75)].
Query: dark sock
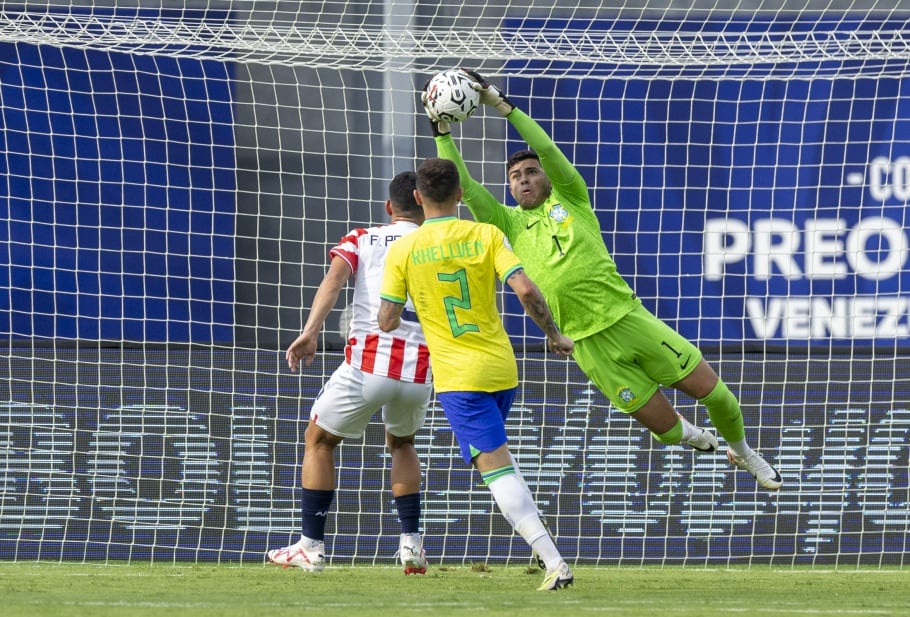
[(409, 512), (314, 509)]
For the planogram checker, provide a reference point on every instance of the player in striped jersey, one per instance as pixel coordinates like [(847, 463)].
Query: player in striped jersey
[(383, 371), (621, 346)]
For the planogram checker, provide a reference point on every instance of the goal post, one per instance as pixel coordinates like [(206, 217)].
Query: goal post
[(173, 175)]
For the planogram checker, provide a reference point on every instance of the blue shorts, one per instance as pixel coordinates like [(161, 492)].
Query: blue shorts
[(478, 419)]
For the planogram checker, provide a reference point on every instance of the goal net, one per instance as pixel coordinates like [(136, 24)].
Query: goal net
[(173, 174)]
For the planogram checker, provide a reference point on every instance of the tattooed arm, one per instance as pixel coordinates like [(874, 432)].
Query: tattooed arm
[(536, 307)]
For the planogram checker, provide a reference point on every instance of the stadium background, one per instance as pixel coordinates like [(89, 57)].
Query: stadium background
[(157, 372)]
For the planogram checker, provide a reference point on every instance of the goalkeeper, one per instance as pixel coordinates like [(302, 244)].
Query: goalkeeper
[(627, 352)]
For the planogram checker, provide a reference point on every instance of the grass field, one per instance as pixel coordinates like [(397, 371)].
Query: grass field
[(45, 589)]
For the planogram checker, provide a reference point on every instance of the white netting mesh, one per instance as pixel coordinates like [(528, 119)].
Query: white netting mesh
[(573, 41), (172, 175)]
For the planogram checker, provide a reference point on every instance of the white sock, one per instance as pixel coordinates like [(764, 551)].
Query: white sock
[(547, 551), (740, 448), (523, 481), (690, 431), (517, 506)]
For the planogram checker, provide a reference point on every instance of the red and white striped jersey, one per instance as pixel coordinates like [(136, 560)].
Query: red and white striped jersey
[(401, 354)]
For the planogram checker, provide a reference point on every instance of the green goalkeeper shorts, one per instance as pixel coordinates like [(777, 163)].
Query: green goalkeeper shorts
[(631, 359)]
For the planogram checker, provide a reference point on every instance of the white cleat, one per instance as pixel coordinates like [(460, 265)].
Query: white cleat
[(766, 476), (305, 554), (705, 441), (558, 578), (410, 551)]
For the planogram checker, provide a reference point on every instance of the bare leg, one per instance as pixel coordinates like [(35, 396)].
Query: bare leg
[(318, 471), (405, 475)]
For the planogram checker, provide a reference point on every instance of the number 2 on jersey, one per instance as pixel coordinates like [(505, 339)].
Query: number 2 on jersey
[(462, 301)]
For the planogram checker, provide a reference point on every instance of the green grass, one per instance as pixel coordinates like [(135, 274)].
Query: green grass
[(61, 590)]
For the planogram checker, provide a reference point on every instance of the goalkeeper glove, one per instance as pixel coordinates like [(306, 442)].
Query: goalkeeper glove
[(439, 127), (490, 94)]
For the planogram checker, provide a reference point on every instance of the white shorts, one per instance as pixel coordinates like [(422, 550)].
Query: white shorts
[(351, 397)]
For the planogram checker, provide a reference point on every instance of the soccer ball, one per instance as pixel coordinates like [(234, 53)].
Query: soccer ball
[(451, 96)]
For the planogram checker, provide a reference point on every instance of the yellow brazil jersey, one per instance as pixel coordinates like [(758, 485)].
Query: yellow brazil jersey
[(449, 269)]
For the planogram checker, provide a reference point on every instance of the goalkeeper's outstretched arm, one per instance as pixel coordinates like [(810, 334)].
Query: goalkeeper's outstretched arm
[(559, 168), (484, 207)]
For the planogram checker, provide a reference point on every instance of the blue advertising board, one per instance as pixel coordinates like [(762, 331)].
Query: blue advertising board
[(117, 196), (763, 208), (189, 455)]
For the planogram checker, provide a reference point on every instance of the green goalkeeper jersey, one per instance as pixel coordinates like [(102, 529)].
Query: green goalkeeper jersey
[(559, 242)]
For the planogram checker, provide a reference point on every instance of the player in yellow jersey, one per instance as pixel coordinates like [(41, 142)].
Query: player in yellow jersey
[(449, 268)]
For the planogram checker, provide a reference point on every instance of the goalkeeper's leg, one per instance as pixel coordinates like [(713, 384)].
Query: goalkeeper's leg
[(726, 415), (631, 359)]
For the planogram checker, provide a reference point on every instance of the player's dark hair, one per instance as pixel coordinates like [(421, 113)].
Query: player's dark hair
[(437, 179), (520, 156), (401, 193)]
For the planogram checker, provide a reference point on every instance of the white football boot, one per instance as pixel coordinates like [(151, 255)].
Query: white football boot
[(306, 554), (410, 551)]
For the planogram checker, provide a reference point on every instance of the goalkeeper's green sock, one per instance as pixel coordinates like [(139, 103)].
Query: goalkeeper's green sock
[(674, 435), (681, 433), (727, 417)]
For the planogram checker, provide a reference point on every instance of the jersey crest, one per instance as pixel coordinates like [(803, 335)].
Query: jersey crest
[(558, 213), (626, 395)]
